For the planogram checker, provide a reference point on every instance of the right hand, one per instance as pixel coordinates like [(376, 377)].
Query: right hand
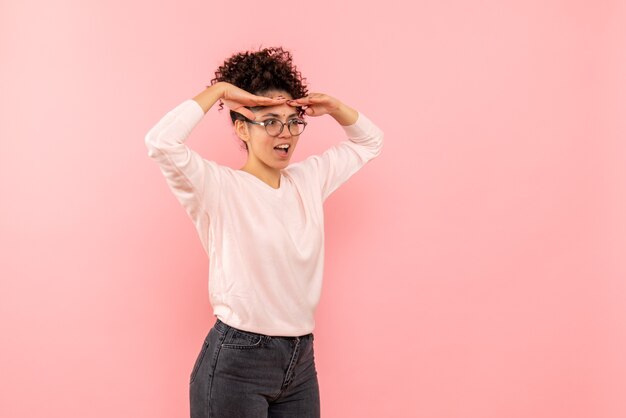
[(236, 99)]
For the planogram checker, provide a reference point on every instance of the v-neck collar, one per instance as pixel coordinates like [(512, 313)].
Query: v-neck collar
[(264, 185)]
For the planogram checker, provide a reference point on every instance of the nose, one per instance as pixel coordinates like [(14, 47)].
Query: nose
[(285, 133)]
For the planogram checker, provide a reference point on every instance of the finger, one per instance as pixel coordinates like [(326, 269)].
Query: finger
[(307, 100), (268, 101), (303, 100)]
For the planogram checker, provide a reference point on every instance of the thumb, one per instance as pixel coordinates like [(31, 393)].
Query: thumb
[(245, 112), (309, 111)]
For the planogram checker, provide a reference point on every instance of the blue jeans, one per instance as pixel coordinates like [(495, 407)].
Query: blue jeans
[(242, 374)]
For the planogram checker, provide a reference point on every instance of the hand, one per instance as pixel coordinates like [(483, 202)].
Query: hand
[(317, 104), (236, 99)]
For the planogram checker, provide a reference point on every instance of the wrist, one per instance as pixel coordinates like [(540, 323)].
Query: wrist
[(211, 94), (219, 89), (344, 114)]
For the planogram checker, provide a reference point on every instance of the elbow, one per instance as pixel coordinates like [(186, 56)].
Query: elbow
[(375, 145), (379, 143), (150, 140)]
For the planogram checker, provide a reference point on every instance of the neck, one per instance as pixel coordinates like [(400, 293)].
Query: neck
[(269, 175)]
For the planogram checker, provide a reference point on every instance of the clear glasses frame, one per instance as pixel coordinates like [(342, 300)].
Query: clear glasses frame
[(269, 124)]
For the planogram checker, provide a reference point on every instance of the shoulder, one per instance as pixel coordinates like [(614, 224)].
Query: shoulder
[(304, 168)]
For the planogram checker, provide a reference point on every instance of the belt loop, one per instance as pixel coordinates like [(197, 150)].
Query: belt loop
[(221, 326)]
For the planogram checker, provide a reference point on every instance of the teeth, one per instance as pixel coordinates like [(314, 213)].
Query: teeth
[(285, 146)]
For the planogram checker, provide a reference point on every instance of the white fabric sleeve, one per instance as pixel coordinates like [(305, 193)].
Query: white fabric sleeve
[(194, 181), (337, 164)]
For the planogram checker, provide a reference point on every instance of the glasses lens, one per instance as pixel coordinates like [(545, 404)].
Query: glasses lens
[(296, 126), (273, 127)]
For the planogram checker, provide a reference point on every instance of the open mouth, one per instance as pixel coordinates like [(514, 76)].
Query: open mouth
[(282, 149)]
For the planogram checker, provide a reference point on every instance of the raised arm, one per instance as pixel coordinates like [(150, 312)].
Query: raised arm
[(193, 180), (338, 163), (318, 104), (233, 97)]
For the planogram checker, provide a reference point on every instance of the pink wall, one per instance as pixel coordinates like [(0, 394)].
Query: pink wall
[(476, 269)]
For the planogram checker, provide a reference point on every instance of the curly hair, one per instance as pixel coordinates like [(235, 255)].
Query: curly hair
[(261, 71)]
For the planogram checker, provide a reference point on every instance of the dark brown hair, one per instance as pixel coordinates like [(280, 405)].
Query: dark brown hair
[(261, 71)]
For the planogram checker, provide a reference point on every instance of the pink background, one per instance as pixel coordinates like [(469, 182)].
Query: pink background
[(476, 269)]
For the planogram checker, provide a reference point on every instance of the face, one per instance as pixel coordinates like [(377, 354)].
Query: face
[(262, 146)]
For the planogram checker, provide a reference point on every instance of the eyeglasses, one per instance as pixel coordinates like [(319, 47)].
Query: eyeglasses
[(274, 127)]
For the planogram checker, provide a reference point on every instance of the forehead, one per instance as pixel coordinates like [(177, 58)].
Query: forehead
[(275, 93), (283, 111)]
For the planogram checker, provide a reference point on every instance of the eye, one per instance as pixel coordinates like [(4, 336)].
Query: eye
[(272, 122), (296, 122)]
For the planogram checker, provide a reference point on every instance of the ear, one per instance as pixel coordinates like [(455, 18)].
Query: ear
[(241, 129)]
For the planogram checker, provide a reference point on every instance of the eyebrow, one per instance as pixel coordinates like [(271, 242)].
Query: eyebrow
[(277, 115)]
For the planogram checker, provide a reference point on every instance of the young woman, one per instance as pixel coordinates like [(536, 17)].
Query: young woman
[(262, 227)]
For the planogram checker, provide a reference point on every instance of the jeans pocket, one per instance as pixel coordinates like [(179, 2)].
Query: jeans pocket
[(199, 359), (241, 340)]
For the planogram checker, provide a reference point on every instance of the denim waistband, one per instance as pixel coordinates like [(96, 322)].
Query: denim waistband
[(222, 327)]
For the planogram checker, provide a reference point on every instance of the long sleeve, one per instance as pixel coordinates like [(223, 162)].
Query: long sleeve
[(265, 245), (194, 181), (338, 163)]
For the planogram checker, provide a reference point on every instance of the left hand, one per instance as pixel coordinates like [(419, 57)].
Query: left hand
[(317, 104)]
